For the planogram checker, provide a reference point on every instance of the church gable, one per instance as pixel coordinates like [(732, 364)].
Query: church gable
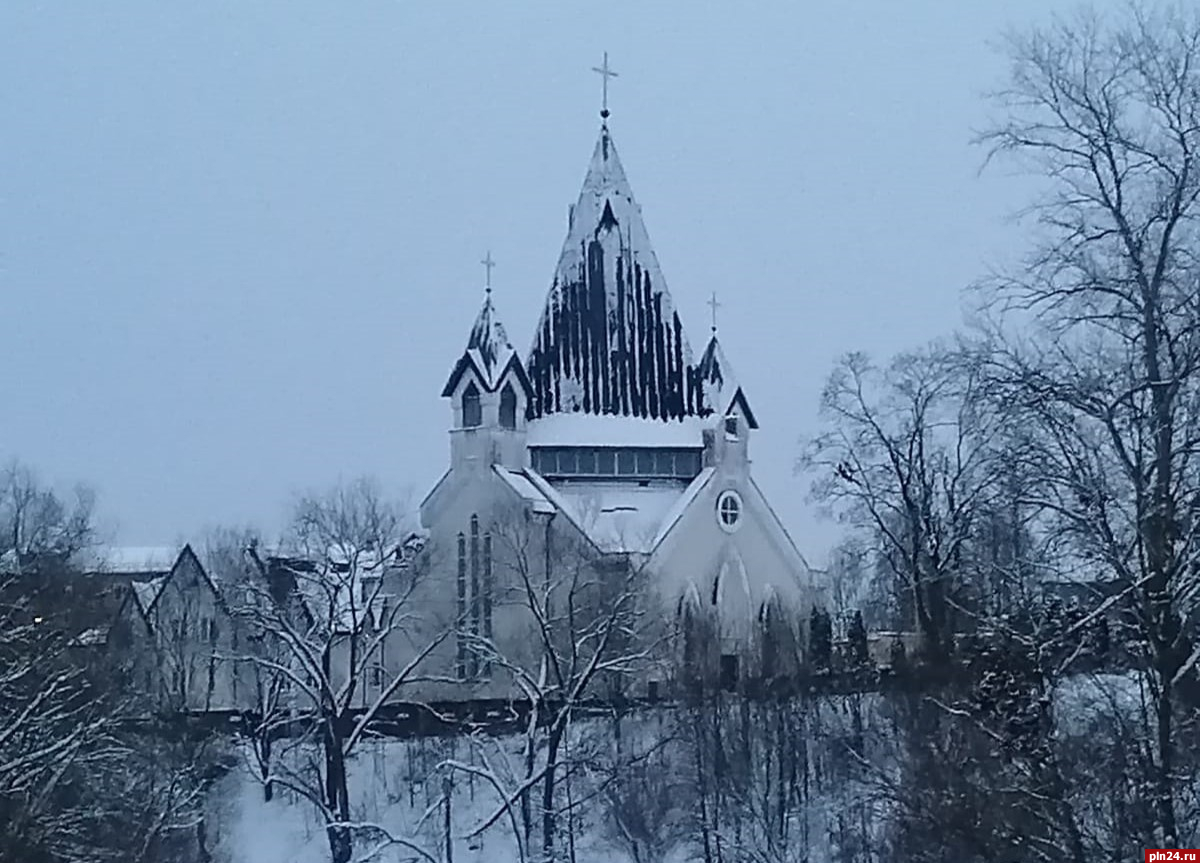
[(728, 518)]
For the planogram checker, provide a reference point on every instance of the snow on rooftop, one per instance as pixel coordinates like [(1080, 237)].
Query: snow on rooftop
[(135, 559), (579, 429), (617, 517), (488, 343), (526, 489), (681, 505)]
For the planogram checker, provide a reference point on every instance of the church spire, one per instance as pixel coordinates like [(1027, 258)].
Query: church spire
[(610, 341), (488, 350)]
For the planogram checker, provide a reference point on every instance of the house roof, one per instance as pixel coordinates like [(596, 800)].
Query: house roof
[(132, 560)]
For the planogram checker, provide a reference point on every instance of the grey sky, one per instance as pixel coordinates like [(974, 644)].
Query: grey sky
[(239, 242)]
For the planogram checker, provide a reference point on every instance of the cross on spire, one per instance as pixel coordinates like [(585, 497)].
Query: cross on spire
[(714, 305), (605, 73), (488, 263)]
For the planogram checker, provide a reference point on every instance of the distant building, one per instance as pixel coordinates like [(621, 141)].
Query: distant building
[(609, 442), (176, 636), (609, 435)]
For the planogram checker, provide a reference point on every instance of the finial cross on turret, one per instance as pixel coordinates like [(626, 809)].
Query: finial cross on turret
[(714, 305), (605, 73), (488, 263)]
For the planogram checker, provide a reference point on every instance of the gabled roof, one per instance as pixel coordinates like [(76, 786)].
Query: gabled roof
[(488, 352), (609, 341), (185, 555)]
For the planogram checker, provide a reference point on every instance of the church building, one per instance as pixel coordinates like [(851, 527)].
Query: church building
[(613, 437)]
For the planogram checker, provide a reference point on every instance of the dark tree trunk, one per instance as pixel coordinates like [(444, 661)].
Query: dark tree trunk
[(341, 843), (549, 816)]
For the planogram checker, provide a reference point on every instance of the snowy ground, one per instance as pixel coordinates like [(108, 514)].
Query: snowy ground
[(397, 784)]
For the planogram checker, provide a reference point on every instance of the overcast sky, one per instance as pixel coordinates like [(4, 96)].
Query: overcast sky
[(240, 241)]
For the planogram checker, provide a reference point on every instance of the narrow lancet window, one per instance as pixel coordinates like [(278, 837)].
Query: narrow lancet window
[(461, 655), (508, 407), (472, 412)]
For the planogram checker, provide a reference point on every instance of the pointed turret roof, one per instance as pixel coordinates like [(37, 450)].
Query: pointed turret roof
[(722, 392), (609, 341), (488, 351)]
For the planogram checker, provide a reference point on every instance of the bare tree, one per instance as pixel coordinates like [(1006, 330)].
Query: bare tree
[(1107, 112), (77, 781), (908, 458), (577, 629), (341, 639)]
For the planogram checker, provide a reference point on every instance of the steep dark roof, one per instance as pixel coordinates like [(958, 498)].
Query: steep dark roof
[(609, 340)]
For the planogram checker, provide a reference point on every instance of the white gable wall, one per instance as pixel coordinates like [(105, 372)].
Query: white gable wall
[(758, 554)]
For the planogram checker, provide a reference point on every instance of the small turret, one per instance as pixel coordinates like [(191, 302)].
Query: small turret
[(727, 438), (489, 394)]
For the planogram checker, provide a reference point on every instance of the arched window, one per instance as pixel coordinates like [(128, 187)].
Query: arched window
[(461, 653), (488, 590), (471, 410), (475, 561), (488, 585), (508, 407), (770, 639)]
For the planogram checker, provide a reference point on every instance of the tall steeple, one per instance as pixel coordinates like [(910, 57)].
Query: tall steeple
[(609, 341)]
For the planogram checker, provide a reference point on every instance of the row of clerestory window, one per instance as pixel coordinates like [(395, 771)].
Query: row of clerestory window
[(674, 463), (472, 410), (475, 590)]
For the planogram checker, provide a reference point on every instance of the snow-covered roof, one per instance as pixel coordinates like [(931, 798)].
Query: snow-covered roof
[(617, 517), (720, 384), (133, 560), (610, 340), (488, 351), (581, 429), (488, 343), (685, 500), (526, 489)]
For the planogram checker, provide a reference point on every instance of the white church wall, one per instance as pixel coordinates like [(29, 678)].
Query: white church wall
[(758, 554)]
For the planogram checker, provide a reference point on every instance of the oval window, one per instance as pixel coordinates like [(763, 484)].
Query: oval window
[(729, 511)]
